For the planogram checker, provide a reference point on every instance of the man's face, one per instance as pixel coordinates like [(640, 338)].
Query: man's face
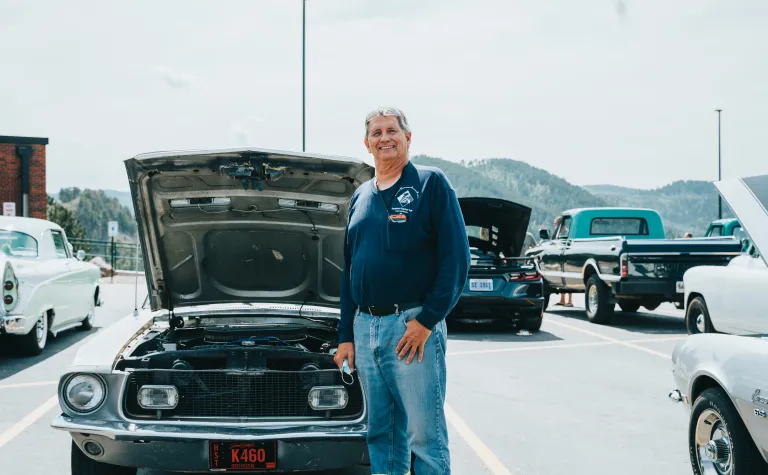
[(386, 140)]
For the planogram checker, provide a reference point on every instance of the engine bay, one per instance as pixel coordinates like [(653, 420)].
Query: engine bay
[(245, 345)]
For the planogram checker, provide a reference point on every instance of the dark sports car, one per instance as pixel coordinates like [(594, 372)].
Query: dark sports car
[(502, 286)]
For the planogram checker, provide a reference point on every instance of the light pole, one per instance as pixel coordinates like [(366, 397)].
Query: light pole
[(719, 168), (303, 76)]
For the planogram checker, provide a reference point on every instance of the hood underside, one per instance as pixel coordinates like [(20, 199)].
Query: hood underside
[(243, 225), (495, 225), (748, 198)]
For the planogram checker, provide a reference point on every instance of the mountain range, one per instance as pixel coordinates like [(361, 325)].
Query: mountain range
[(684, 205)]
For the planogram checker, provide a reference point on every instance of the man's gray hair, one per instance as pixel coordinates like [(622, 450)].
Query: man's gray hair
[(388, 112)]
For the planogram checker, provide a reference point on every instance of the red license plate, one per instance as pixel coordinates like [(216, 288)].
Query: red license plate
[(230, 455)]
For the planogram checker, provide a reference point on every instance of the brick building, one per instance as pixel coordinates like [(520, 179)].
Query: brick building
[(22, 175)]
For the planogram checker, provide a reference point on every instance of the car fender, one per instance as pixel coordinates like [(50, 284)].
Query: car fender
[(98, 355), (735, 364)]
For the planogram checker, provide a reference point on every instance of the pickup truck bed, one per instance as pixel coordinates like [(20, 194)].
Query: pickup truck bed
[(630, 272)]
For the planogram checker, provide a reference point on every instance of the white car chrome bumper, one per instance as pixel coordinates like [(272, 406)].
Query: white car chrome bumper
[(15, 324)]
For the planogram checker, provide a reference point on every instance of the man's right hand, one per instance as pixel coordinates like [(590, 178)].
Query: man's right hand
[(345, 351)]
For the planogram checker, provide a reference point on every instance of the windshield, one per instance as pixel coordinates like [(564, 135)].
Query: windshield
[(16, 244)]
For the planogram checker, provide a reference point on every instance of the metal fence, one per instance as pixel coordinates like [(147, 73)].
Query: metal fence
[(121, 256)]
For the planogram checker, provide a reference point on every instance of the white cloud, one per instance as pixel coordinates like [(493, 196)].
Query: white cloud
[(173, 78)]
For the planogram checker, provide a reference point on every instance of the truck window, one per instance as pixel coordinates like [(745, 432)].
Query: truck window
[(715, 231), (565, 228), (619, 227)]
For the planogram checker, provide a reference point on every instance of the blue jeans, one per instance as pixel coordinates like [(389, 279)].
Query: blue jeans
[(405, 401)]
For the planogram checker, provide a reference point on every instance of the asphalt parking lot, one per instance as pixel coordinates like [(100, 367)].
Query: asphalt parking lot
[(572, 398)]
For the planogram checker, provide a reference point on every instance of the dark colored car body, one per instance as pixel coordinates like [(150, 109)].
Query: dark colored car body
[(632, 270), (502, 285)]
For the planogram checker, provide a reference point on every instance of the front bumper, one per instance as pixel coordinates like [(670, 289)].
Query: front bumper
[(185, 448)]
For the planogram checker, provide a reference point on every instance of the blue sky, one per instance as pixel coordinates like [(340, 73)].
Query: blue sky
[(597, 91)]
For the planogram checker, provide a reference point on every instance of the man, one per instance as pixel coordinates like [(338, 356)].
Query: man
[(406, 262)]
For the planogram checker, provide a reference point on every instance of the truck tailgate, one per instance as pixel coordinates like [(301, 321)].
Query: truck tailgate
[(669, 259)]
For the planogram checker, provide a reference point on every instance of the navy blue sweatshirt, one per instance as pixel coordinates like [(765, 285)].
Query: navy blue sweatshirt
[(404, 244)]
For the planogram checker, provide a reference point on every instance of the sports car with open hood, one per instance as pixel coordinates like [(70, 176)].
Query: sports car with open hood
[(231, 368), (502, 286)]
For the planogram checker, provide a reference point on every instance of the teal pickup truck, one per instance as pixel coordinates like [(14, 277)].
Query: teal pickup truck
[(621, 256)]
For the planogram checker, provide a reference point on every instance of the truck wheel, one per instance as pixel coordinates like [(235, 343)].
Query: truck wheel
[(697, 317), (630, 307), (718, 441), (81, 464), (599, 310)]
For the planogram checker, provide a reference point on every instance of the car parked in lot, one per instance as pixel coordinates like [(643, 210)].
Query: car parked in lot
[(723, 299), (231, 368), (45, 288), (721, 378), (621, 255), (501, 285)]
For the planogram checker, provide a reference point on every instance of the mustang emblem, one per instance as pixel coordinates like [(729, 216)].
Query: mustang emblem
[(757, 398)]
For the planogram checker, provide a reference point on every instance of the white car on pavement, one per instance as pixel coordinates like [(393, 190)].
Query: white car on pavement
[(45, 288), (722, 378)]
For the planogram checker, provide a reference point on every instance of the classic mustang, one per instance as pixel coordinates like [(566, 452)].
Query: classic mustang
[(44, 287), (501, 286), (232, 369), (722, 378)]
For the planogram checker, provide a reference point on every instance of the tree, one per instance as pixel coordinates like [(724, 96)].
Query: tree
[(65, 218)]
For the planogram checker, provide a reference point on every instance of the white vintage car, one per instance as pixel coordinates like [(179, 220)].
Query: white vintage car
[(724, 299), (722, 378), (45, 289)]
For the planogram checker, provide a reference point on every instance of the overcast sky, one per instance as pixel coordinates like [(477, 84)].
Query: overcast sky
[(595, 91)]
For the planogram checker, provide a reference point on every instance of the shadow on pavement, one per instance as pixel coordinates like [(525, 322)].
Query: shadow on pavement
[(494, 333), (639, 322), (11, 364)]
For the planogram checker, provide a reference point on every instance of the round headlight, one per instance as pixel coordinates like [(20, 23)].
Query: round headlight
[(84, 393)]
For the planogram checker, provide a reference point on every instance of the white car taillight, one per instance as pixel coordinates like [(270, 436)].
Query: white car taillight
[(10, 288)]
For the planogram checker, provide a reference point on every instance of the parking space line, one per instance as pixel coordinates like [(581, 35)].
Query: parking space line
[(28, 385), (611, 339), (571, 345), (28, 420), (527, 348), (489, 458)]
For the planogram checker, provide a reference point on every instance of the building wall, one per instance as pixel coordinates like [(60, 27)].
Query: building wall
[(11, 176)]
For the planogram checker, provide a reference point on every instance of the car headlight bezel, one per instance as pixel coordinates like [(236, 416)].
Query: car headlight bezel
[(98, 383)]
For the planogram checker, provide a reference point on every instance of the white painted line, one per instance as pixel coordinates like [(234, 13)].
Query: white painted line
[(550, 347), (28, 420), (28, 385), (489, 459), (526, 348), (611, 339)]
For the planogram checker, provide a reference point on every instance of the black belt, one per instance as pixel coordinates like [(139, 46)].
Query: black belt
[(381, 310)]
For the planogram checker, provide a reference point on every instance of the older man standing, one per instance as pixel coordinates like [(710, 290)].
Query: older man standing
[(406, 263)]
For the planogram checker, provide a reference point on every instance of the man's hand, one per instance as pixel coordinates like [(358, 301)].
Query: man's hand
[(345, 351), (414, 339)]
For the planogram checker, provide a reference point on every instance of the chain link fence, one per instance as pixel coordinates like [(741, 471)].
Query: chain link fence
[(120, 256)]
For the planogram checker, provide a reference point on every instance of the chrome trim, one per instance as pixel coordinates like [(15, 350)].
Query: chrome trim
[(65, 403), (67, 327), (14, 325), (143, 431), (264, 423), (684, 253)]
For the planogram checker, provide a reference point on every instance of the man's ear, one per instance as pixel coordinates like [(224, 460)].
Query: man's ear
[(367, 144), (408, 138)]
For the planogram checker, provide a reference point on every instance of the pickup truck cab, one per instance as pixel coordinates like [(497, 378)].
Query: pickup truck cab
[(621, 255), (724, 227)]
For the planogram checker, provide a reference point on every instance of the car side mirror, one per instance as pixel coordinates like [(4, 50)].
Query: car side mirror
[(544, 234), (80, 255)]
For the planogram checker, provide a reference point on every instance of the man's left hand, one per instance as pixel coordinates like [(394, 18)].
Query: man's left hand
[(413, 340)]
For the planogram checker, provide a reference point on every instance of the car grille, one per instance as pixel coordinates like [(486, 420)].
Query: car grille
[(241, 394)]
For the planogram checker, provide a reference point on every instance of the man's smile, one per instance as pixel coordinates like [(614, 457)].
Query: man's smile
[(386, 147)]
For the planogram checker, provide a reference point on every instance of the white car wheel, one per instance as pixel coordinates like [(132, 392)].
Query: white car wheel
[(34, 342)]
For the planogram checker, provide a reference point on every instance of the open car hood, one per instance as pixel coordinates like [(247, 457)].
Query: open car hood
[(495, 225), (748, 198), (243, 225)]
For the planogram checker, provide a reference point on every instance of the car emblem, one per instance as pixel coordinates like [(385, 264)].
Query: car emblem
[(757, 398)]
